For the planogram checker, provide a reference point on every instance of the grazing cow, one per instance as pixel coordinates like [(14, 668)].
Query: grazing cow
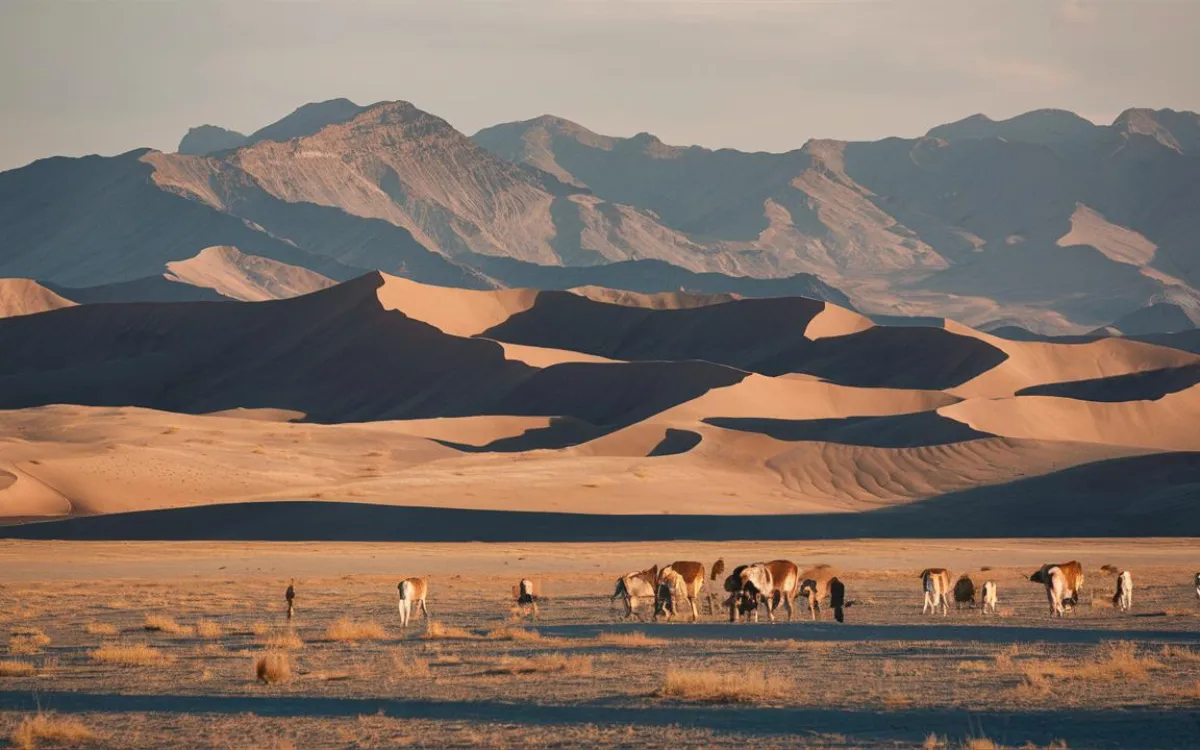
[(1063, 582), (814, 587), (837, 599), (1123, 599), (1197, 582), (936, 584), (768, 583), (964, 592), (412, 591), (527, 598), (637, 585), (681, 579), (989, 596)]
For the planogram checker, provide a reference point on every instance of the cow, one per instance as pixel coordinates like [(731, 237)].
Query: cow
[(1063, 582), (769, 583), (936, 584), (989, 597), (527, 598), (814, 587), (679, 580), (412, 591), (290, 596), (1123, 599), (964, 592), (640, 584), (1197, 582)]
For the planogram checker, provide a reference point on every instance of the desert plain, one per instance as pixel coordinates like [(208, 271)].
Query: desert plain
[(138, 644)]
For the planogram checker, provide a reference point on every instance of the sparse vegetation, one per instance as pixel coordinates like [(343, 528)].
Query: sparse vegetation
[(158, 623), (352, 631), (26, 641), (636, 639), (405, 664), (435, 630), (209, 629), (286, 641), (132, 655), (513, 634), (272, 667), (542, 663), (14, 668), (725, 687), (100, 628), (60, 730)]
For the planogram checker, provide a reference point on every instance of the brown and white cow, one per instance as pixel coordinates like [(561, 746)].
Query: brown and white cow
[(814, 587), (681, 579), (527, 597), (1123, 598), (990, 597), (1063, 582), (769, 583), (412, 591), (936, 584), (631, 587)]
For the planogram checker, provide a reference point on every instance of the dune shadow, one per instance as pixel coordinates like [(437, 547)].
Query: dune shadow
[(675, 442), (1137, 386), (896, 431)]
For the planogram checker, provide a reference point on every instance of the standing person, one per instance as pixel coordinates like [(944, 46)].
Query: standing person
[(290, 595), (837, 598)]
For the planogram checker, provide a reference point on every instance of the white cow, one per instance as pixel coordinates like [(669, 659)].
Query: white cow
[(990, 597), (1197, 582), (640, 584), (1123, 599), (412, 591)]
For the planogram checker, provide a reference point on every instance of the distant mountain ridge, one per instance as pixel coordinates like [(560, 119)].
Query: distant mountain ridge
[(1045, 220)]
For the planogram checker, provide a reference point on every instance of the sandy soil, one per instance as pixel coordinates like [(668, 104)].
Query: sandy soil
[(888, 677)]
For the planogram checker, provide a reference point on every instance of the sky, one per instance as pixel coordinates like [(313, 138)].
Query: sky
[(106, 77)]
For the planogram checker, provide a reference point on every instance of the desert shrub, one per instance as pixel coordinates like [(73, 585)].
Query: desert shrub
[(100, 628), (165, 624), (272, 667), (725, 687), (347, 630), (59, 730), (132, 655)]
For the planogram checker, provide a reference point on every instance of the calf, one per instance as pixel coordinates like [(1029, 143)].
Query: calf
[(990, 599), (1123, 599), (1063, 582), (637, 585), (936, 584), (412, 590)]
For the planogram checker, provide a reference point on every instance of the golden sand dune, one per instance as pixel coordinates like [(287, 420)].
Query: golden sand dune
[(1169, 423), (25, 297), (384, 391)]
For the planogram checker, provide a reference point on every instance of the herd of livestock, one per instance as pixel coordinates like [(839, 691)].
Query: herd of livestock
[(782, 582)]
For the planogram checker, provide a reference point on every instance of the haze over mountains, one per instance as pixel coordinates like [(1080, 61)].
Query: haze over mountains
[(1046, 221)]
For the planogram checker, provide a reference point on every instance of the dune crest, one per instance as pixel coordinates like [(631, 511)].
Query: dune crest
[(26, 297), (247, 278)]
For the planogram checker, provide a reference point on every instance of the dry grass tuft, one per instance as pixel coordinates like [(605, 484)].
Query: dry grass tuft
[(27, 640), (209, 629), (100, 628), (933, 742), (980, 743), (635, 639), (1179, 654), (56, 729), (720, 687), (135, 655), (434, 630), (272, 667), (407, 665), (513, 634), (285, 641), (1111, 661), (14, 668), (165, 624), (352, 631), (543, 663)]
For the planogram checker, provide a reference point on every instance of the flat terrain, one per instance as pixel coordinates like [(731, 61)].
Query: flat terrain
[(476, 675)]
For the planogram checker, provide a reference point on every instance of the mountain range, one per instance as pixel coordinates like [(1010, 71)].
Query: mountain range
[(1045, 223)]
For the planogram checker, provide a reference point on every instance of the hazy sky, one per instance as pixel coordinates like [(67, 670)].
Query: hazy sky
[(106, 77)]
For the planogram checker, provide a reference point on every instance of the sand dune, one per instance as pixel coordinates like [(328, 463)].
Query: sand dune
[(26, 297), (458, 312), (1168, 423), (248, 278)]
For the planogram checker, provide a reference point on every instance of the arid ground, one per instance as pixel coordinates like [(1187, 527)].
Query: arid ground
[(141, 644)]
